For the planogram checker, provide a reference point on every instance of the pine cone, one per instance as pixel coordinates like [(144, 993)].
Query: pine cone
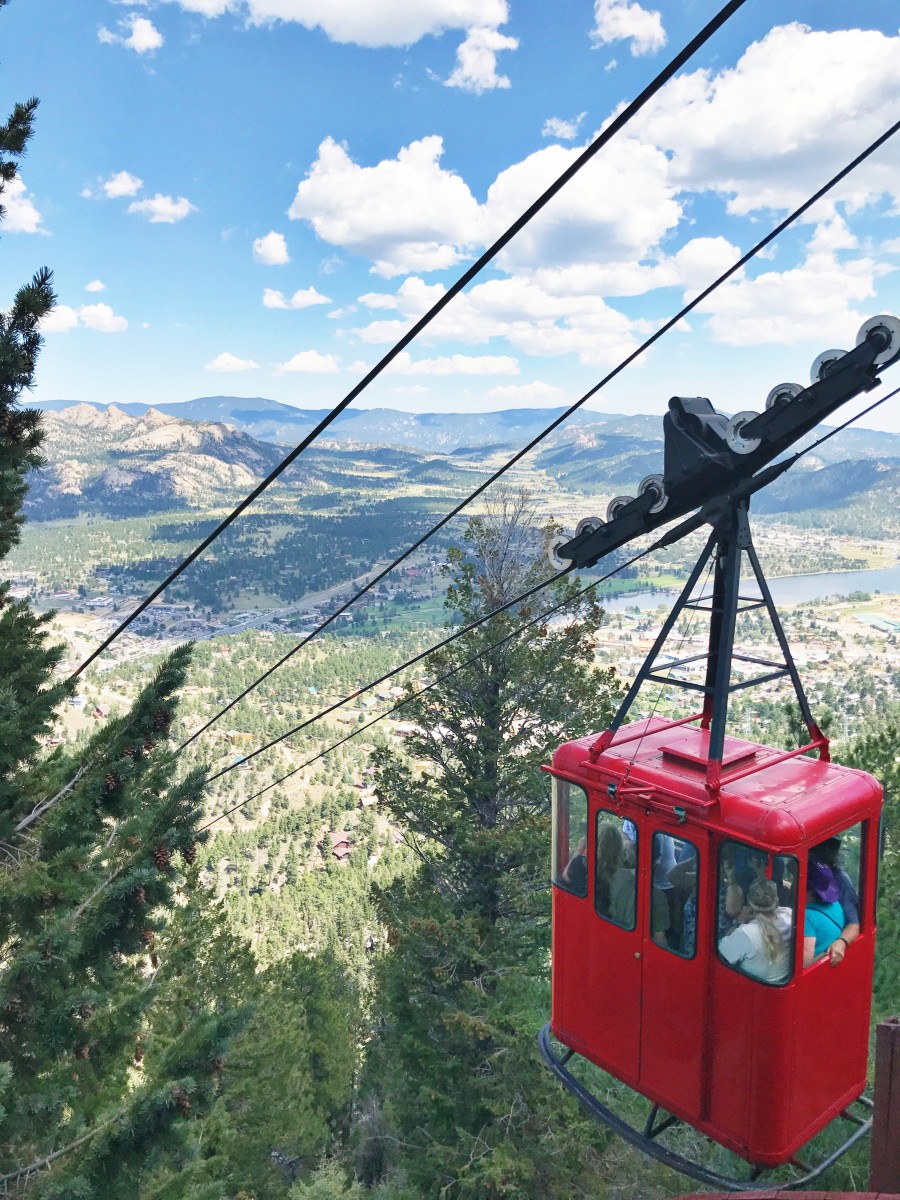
[(149, 936), (149, 745), (154, 961), (140, 894), (189, 854), (161, 857), (182, 1100), (138, 1055), (130, 752), (14, 1006), (113, 781), (86, 1009), (82, 1052), (162, 719)]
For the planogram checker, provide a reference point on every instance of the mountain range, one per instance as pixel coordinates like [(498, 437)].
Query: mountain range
[(132, 459)]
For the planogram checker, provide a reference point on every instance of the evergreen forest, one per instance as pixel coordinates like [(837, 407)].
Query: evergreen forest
[(316, 974)]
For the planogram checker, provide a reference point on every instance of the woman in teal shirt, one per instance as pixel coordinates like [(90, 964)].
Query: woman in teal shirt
[(824, 919)]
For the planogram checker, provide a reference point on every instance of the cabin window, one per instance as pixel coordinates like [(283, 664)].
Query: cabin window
[(615, 874), (570, 824), (834, 872), (756, 911), (673, 894)]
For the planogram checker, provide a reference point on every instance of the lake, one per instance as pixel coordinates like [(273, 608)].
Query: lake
[(791, 589)]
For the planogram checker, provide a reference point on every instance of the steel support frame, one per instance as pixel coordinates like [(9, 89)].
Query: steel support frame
[(728, 542)]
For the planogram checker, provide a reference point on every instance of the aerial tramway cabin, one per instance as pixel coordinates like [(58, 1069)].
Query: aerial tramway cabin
[(686, 862), (640, 986)]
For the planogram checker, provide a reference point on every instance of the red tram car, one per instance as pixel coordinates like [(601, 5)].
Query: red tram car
[(714, 899), (640, 985)]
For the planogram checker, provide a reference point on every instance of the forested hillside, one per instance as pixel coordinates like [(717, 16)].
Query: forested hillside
[(275, 877)]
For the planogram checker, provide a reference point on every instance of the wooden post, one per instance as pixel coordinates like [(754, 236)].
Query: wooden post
[(885, 1172)]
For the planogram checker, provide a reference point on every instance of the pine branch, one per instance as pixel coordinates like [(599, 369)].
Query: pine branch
[(45, 805), (38, 1164)]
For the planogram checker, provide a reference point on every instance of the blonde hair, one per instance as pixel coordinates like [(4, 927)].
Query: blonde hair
[(762, 896)]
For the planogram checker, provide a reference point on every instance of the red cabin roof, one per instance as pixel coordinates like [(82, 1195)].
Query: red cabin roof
[(780, 802)]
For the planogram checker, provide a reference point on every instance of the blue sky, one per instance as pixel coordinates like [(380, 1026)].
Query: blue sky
[(256, 197)]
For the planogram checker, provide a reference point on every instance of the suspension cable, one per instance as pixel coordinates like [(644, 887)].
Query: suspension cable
[(618, 123), (540, 619), (663, 329)]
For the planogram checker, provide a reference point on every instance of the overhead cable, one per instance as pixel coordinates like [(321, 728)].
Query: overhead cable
[(540, 619), (618, 123), (535, 441)]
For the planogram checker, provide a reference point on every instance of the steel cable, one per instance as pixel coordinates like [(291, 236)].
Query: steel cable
[(618, 123), (669, 324)]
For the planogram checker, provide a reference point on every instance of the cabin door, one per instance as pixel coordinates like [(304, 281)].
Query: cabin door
[(613, 957), (675, 935)]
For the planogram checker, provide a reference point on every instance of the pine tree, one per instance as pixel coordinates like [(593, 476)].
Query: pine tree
[(876, 751), (89, 843), (465, 984)]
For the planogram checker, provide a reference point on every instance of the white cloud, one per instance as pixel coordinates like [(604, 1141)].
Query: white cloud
[(404, 214), (22, 215), (271, 250), (122, 184), (770, 130), (535, 392), (811, 302), (410, 389), (476, 60), (616, 209), (163, 209), (413, 298), (621, 21), (99, 317), (528, 315), (409, 214), (208, 8), (311, 362), (702, 260), (455, 364), (230, 362), (387, 23), (95, 285), (564, 130), (139, 34), (60, 320), (305, 298)]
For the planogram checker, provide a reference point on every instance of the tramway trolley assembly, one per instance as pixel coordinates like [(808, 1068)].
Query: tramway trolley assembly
[(644, 983)]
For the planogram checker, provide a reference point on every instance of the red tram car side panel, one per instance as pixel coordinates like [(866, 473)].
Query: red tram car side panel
[(596, 965), (674, 1006), (760, 1068)]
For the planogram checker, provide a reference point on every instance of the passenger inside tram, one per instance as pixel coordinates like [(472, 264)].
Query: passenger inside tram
[(823, 923), (828, 853), (576, 872), (615, 889), (761, 946)]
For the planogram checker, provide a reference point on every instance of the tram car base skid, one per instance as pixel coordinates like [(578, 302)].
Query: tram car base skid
[(658, 1121)]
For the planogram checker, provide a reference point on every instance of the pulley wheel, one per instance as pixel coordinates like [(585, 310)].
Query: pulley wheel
[(824, 364), (783, 391), (616, 505), (588, 525), (656, 484), (891, 328), (553, 557), (735, 439)]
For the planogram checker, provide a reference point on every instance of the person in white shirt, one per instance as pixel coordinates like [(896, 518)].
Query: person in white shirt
[(761, 947)]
